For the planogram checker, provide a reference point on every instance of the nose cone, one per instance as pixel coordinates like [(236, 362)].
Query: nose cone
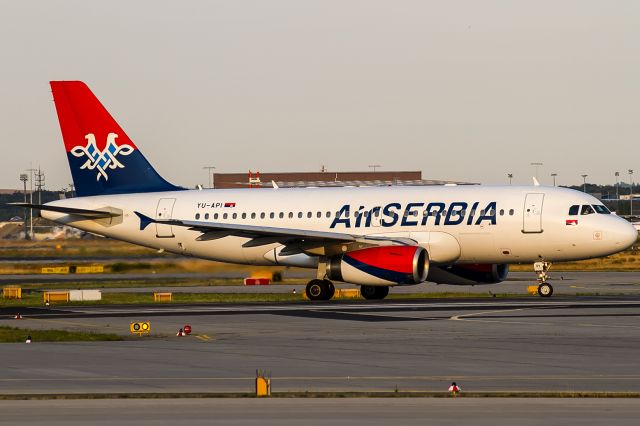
[(624, 234)]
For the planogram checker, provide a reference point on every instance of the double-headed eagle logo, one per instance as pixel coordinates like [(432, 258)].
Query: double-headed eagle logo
[(102, 160)]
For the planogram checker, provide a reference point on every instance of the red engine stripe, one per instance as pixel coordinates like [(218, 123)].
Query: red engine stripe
[(392, 258)]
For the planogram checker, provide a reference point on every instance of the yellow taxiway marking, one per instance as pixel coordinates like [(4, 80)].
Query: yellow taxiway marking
[(202, 337)]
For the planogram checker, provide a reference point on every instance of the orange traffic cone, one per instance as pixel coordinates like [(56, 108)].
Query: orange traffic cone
[(180, 333)]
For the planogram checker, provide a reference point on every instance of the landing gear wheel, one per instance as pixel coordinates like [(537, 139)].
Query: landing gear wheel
[(374, 292), (320, 290), (545, 290), (331, 289), (316, 290)]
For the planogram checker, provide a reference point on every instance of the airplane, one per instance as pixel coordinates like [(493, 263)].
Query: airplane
[(374, 237)]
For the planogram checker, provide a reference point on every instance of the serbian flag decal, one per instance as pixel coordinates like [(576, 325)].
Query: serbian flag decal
[(572, 222), (229, 204)]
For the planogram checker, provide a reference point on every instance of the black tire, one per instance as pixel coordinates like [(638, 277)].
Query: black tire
[(545, 290), (317, 290), (374, 292), (331, 289)]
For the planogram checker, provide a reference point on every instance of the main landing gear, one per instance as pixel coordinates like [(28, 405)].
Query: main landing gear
[(324, 290), (544, 288), (320, 290), (374, 292)]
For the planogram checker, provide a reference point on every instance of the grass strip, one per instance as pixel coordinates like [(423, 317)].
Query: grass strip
[(173, 395), (34, 299), (18, 335)]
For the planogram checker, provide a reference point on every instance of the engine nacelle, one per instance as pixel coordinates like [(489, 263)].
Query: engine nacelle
[(469, 274), (386, 265)]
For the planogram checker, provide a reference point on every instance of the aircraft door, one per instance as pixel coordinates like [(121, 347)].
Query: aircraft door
[(532, 214), (164, 211)]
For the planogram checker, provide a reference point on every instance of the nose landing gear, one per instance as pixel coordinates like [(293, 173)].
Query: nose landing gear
[(544, 288)]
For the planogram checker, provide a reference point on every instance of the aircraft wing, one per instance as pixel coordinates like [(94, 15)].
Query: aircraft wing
[(296, 240)]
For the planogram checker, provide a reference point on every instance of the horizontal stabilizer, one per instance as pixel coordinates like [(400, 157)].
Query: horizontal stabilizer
[(89, 214), (144, 220)]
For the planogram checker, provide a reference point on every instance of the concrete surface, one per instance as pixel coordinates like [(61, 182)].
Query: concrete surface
[(351, 411), (562, 344)]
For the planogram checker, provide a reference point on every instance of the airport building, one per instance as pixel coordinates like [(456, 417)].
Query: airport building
[(323, 179)]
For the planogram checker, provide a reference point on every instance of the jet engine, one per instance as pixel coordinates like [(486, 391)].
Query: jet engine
[(385, 265), (469, 274)]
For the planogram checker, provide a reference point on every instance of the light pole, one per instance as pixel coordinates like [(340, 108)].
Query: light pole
[(210, 175), (31, 170), (584, 183), (617, 175), (510, 176), (631, 192), (537, 165), (24, 178), (553, 175)]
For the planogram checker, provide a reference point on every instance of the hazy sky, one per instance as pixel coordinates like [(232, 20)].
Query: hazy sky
[(464, 90)]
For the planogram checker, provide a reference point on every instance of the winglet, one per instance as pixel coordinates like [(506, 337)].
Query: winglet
[(144, 220), (535, 181)]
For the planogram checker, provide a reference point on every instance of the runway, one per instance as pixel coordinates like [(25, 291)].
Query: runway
[(558, 344)]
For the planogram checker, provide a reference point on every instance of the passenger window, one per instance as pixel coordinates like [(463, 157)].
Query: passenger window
[(224, 216), (309, 214), (244, 215), (272, 215), (328, 214), (235, 215), (262, 215), (281, 215), (573, 210), (215, 216), (319, 215), (501, 212), (299, 215), (290, 215), (206, 216), (197, 216), (253, 215), (600, 209), (511, 212), (586, 209)]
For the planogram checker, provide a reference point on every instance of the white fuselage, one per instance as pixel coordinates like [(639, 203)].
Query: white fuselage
[(489, 224)]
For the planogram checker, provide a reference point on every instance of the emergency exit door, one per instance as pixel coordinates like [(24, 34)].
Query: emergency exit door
[(532, 221), (164, 212)]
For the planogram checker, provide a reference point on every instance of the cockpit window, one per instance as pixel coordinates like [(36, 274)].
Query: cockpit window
[(600, 209), (573, 210), (586, 209)]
